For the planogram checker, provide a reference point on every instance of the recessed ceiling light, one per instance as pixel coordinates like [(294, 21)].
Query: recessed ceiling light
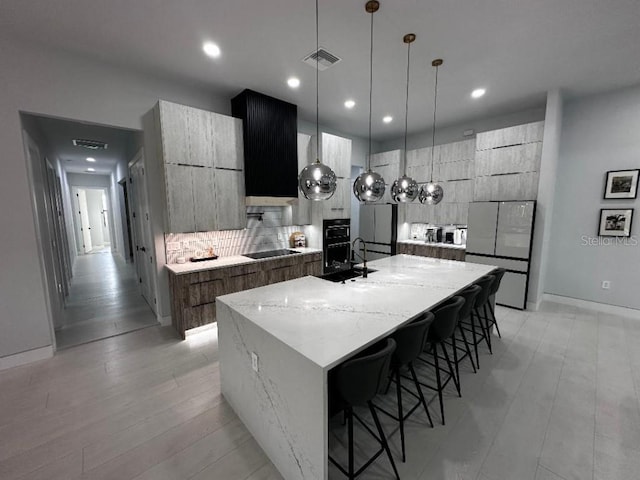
[(387, 119), (91, 159), (350, 104), (211, 49), (293, 82), (478, 92), (91, 169)]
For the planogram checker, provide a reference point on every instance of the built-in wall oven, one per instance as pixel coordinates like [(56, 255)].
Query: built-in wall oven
[(336, 245)]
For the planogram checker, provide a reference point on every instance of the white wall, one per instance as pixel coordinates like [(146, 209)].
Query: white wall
[(72, 87), (599, 133)]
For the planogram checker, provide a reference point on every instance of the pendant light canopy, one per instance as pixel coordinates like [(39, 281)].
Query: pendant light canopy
[(317, 181), (405, 189), (432, 193), (370, 186)]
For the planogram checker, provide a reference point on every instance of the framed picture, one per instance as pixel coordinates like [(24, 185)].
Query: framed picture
[(621, 184), (615, 223)]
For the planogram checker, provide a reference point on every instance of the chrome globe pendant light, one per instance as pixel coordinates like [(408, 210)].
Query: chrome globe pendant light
[(370, 186), (405, 189), (432, 193), (317, 181)]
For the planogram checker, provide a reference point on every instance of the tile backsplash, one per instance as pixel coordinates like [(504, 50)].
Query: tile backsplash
[(419, 230), (268, 228)]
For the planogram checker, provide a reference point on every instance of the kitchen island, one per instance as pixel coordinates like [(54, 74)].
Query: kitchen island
[(277, 344)]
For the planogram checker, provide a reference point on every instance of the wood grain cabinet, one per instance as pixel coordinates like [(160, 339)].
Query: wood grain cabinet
[(202, 156), (193, 295), (433, 251)]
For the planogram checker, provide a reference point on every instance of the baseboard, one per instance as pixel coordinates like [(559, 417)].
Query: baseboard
[(165, 321), (23, 358), (598, 307), (534, 306)]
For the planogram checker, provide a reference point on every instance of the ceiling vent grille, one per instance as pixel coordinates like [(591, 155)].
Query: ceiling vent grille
[(90, 144), (322, 58)]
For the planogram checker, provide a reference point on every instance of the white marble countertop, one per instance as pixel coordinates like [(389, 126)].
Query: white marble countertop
[(328, 322), (433, 244), (221, 262)]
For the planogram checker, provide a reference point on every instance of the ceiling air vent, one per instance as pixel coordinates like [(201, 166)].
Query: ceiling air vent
[(322, 58), (90, 144)]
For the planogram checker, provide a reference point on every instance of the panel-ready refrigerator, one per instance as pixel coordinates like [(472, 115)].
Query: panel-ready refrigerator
[(501, 233), (379, 229)]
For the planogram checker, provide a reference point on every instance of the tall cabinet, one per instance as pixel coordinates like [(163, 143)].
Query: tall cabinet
[(336, 153), (202, 157)]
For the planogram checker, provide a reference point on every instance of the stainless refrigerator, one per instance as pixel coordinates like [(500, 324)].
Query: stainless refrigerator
[(379, 228), (501, 234)]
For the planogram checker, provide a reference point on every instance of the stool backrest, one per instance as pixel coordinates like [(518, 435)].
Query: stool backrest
[(410, 339), (484, 283), (469, 294), (359, 380), (498, 273), (446, 319)]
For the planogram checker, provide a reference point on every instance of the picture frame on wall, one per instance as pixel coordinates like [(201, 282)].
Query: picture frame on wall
[(621, 184), (615, 222)]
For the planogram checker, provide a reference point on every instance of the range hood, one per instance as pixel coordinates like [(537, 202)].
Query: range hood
[(270, 129)]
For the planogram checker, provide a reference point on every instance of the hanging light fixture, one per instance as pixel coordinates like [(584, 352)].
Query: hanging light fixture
[(405, 189), (369, 186), (317, 181), (432, 193)]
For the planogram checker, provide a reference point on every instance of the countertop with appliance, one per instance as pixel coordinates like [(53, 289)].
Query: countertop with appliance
[(278, 342), (192, 267), (434, 244)]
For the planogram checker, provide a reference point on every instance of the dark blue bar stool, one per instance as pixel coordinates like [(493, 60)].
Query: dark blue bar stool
[(355, 383)]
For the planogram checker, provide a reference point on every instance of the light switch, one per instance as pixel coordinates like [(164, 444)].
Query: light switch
[(254, 361)]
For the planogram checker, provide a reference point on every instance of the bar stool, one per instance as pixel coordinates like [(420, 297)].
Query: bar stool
[(410, 340), (498, 273), (474, 323), (443, 328), (469, 294), (480, 308), (355, 383)]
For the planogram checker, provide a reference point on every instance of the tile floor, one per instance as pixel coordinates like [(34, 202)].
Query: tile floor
[(558, 399), (104, 300)]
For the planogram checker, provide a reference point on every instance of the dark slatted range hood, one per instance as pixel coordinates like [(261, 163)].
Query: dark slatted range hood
[(270, 129)]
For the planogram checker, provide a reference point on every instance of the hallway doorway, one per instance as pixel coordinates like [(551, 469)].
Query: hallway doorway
[(93, 279)]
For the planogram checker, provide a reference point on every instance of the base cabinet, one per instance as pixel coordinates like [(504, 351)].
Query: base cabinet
[(432, 251), (193, 295)]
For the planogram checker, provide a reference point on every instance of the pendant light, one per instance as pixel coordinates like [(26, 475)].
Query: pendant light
[(405, 189), (432, 193), (369, 186), (317, 181)]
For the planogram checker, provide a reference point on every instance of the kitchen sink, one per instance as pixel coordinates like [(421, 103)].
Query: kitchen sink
[(270, 253), (345, 275)]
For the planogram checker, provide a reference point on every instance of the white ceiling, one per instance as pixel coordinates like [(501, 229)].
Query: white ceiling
[(517, 49), (60, 135)]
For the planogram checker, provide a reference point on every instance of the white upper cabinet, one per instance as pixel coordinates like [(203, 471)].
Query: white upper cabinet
[(518, 135), (186, 135), (336, 153), (339, 205), (227, 142)]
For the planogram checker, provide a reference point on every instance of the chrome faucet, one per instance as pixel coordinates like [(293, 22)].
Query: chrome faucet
[(364, 257)]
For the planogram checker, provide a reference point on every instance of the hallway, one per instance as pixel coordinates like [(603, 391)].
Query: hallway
[(104, 300)]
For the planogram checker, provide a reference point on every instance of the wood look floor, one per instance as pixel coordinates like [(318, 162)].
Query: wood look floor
[(104, 300), (557, 400)]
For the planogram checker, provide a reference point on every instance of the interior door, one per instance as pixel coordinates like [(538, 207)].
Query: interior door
[(481, 233), (141, 229), (83, 217)]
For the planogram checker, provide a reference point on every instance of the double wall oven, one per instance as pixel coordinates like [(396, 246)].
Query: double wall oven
[(336, 245)]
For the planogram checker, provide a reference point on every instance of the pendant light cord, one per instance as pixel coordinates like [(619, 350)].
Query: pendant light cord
[(433, 135), (406, 110), (370, 92), (317, 87)]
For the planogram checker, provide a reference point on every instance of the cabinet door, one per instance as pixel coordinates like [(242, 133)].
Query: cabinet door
[(481, 234), (515, 224), (339, 205), (367, 222), (227, 142), (336, 153), (204, 194), (200, 137), (301, 213), (230, 200), (173, 131), (180, 199)]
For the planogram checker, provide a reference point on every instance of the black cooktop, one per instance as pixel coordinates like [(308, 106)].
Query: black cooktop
[(270, 253)]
